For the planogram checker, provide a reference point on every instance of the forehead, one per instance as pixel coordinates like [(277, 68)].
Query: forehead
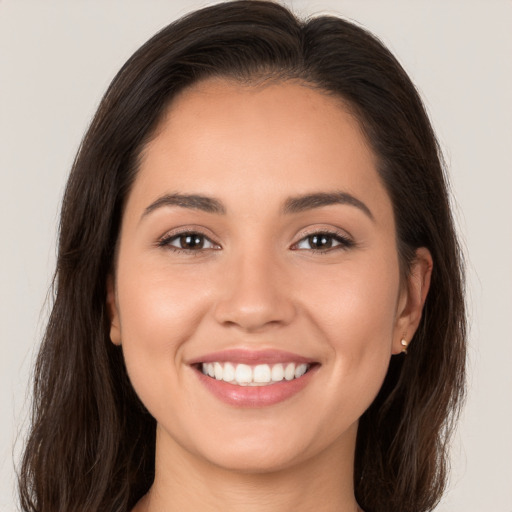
[(292, 110), (226, 139)]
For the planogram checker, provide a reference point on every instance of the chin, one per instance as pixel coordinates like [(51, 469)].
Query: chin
[(255, 461), (267, 448)]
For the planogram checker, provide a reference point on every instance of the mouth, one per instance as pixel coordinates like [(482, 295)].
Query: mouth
[(253, 375), (242, 378)]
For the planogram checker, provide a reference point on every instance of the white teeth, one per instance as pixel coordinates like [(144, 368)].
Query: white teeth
[(277, 373), (217, 368), (243, 374), (229, 372), (289, 372), (259, 375), (262, 374), (300, 370)]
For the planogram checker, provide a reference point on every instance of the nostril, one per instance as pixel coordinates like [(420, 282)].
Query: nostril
[(254, 315)]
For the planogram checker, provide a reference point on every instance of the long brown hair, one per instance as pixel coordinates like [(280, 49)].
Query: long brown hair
[(92, 443)]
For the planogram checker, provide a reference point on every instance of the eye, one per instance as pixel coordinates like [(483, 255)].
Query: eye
[(323, 242), (187, 242)]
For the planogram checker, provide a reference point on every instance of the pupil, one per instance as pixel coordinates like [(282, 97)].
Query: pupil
[(320, 241), (191, 241)]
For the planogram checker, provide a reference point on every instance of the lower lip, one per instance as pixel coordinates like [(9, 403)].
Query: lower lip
[(256, 396)]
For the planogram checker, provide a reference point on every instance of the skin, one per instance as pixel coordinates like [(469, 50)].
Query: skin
[(257, 284)]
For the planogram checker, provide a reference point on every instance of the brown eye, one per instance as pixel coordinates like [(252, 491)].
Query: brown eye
[(189, 241), (323, 242)]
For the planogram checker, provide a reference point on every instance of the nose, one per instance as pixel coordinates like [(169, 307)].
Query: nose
[(255, 295)]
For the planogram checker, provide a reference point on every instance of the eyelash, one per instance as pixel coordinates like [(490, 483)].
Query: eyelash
[(166, 241), (343, 241)]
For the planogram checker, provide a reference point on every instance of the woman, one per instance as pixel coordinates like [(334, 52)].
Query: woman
[(259, 299)]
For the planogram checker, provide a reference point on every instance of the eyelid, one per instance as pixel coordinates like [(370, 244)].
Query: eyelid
[(342, 236), (163, 241), (327, 229), (345, 240)]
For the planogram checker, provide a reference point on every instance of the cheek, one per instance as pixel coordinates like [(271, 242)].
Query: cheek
[(354, 308), (159, 303), (360, 294), (159, 311)]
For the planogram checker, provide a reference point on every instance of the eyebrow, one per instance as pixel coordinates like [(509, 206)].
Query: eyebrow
[(192, 201), (310, 201), (292, 205)]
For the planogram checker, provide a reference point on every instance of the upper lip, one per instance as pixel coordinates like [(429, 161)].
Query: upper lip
[(251, 357)]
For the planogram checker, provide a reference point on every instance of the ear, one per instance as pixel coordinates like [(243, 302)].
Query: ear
[(113, 313), (412, 300)]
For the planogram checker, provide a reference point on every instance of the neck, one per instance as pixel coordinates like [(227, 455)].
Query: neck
[(185, 482)]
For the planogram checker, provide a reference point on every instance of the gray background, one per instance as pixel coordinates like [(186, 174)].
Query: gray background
[(57, 58)]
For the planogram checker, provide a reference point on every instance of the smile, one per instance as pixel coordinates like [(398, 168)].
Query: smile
[(257, 375), (254, 378)]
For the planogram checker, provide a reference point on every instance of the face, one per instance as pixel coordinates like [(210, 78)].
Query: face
[(258, 243)]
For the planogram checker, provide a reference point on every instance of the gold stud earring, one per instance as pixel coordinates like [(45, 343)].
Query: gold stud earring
[(404, 344)]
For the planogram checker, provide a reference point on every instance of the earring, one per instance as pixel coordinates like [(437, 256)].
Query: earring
[(404, 344)]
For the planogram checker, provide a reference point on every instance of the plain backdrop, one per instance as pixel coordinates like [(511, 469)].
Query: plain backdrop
[(56, 60)]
